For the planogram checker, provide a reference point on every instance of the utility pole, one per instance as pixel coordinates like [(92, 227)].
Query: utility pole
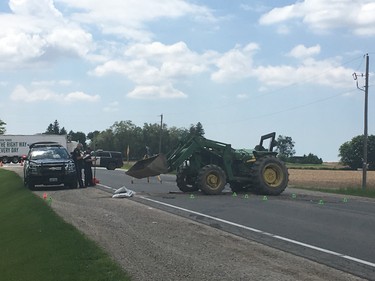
[(364, 173), (161, 132), (364, 165)]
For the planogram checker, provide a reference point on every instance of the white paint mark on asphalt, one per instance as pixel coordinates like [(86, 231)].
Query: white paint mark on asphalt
[(107, 187), (264, 233)]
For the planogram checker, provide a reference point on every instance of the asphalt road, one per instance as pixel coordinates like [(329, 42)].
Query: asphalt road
[(334, 230)]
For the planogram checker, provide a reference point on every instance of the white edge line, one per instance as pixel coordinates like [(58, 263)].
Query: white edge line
[(264, 233)]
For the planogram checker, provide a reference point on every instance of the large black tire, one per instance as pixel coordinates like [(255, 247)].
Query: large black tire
[(269, 176), (185, 182), (30, 185), (211, 180), (111, 166), (72, 185)]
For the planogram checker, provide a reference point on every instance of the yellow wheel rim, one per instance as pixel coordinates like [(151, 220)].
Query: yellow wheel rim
[(213, 180), (273, 175)]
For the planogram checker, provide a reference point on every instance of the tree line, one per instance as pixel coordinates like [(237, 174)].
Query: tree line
[(131, 140)]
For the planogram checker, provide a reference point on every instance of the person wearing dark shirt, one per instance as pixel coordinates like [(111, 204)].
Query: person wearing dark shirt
[(78, 161), (87, 159)]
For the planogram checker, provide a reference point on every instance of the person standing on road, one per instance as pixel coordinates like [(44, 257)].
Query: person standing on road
[(78, 161), (146, 156), (89, 181)]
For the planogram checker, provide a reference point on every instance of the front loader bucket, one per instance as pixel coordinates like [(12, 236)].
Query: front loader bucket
[(149, 167)]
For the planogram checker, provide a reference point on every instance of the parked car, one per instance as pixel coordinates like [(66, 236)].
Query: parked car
[(49, 163), (109, 159)]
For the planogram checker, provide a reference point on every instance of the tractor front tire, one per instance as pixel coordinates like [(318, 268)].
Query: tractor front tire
[(185, 182), (211, 180), (269, 176)]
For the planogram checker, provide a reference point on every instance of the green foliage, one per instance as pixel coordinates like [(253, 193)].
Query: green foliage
[(125, 134), (54, 129), (78, 136), (351, 152), (196, 130), (2, 127), (309, 159), (37, 245), (285, 147)]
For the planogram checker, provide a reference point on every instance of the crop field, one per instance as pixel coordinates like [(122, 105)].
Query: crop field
[(335, 179)]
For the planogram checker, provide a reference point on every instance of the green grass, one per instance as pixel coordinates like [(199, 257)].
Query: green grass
[(324, 166), (127, 165), (36, 244)]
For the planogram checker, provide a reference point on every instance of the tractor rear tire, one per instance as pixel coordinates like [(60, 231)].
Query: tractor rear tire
[(185, 182), (211, 180), (269, 176)]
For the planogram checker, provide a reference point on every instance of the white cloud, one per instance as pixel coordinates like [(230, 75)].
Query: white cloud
[(70, 40), (112, 107), (153, 67), (128, 19), (242, 96), (80, 96), (44, 83), (21, 94), (37, 8), (325, 72), (36, 31), (325, 15), (300, 51), (18, 47), (155, 92), (236, 64)]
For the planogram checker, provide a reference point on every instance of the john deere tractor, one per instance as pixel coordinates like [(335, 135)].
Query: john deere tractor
[(207, 165)]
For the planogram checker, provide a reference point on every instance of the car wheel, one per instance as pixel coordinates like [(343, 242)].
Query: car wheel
[(73, 184), (30, 185), (15, 160), (111, 166)]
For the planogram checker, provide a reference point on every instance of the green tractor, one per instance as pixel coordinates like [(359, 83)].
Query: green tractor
[(207, 165)]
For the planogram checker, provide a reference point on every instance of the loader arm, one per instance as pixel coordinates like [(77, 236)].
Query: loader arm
[(182, 153)]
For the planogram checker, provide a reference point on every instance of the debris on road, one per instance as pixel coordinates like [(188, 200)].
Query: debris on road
[(123, 192)]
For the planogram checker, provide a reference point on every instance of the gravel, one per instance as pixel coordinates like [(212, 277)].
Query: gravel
[(151, 244)]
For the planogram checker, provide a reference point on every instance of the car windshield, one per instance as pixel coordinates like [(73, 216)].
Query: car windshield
[(49, 153)]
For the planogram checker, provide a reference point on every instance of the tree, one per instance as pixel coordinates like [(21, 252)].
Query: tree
[(92, 135), (285, 147), (49, 130), (2, 127), (63, 131), (196, 130), (78, 136), (54, 129), (309, 159), (351, 152)]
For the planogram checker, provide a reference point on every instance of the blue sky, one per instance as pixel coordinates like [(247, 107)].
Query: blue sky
[(241, 68)]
